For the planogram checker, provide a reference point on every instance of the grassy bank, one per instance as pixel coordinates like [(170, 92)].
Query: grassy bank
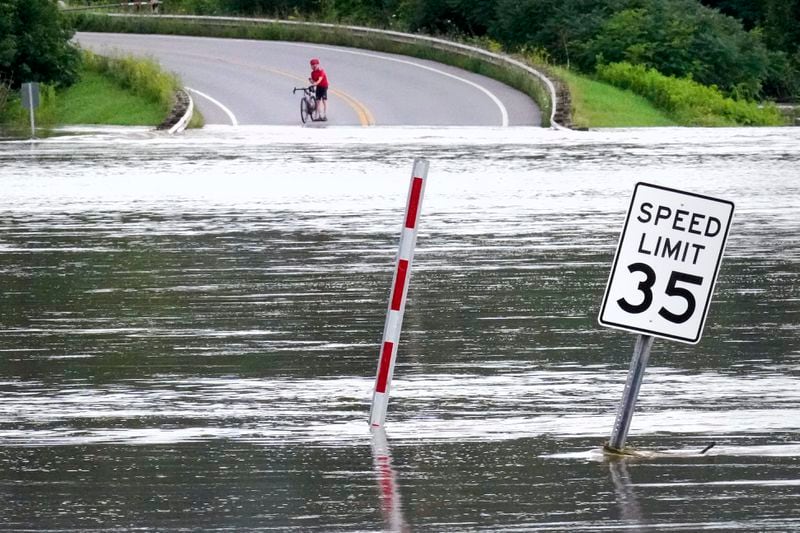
[(122, 91), (688, 102), (97, 99), (599, 105)]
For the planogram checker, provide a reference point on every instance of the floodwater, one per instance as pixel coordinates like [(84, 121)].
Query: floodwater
[(190, 330)]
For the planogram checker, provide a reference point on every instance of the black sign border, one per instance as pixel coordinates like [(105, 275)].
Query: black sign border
[(614, 325)]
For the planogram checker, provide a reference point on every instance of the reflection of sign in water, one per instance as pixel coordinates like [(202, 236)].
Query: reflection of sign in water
[(666, 264), (30, 101), (630, 512)]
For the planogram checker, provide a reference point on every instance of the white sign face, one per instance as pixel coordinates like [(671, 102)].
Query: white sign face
[(666, 264)]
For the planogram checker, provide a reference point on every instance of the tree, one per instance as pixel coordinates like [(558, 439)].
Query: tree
[(782, 25), (35, 44), (750, 12), (560, 27), (7, 40), (468, 17), (683, 38), (782, 34)]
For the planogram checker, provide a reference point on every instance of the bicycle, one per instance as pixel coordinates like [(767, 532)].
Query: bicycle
[(308, 103)]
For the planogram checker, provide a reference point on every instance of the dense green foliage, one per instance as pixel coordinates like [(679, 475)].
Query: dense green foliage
[(676, 37), (34, 44), (688, 101), (779, 23)]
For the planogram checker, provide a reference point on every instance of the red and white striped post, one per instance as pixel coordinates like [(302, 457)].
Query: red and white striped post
[(397, 298)]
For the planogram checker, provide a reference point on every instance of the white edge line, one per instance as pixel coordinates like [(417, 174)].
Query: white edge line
[(184, 121), (219, 104)]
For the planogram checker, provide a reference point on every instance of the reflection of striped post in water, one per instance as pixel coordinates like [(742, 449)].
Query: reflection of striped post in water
[(391, 506), (397, 298)]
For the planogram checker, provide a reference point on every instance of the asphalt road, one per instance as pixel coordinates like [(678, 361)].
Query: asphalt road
[(235, 81)]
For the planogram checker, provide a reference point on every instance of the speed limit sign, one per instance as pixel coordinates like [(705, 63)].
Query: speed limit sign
[(666, 263)]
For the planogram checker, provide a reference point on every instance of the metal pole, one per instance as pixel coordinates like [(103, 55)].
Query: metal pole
[(30, 99), (641, 353)]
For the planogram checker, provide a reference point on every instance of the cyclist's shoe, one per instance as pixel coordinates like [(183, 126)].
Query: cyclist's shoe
[(324, 119)]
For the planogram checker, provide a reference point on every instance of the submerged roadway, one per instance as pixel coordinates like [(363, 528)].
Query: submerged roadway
[(236, 81)]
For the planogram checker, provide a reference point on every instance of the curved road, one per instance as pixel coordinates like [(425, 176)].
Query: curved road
[(235, 81)]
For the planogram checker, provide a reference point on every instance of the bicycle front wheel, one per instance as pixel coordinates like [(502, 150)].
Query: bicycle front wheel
[(314, 106), (305, 111)]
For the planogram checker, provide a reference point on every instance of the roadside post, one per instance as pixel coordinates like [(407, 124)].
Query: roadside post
[(397, 296), (662, 278), (30, 101)]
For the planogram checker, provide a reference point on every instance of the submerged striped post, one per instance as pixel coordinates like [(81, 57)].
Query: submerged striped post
[(397, 298)]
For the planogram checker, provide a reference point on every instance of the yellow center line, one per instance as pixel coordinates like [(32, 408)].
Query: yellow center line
[(365, 117), (364, 114)]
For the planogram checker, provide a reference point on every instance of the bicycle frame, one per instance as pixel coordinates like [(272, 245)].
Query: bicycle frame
[(308, 104)]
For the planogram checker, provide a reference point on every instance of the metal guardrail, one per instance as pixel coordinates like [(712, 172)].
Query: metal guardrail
[(154, 6), (442, 44)]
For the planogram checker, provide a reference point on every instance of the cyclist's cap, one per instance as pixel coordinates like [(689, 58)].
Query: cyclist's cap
[(315, 61)]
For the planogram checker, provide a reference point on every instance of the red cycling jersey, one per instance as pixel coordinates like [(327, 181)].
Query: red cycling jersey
[(317, 75)]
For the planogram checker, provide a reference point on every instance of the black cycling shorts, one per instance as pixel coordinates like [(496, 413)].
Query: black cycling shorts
[(322, 93)]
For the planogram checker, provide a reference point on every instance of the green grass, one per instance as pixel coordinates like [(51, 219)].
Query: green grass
[(688, 102), (122, 91), (599, 105), (96, 99)]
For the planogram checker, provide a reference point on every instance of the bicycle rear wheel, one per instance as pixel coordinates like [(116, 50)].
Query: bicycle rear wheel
[(305, 111)]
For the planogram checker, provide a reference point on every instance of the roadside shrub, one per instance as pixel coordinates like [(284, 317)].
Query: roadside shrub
[(142, 77), (687, 101)]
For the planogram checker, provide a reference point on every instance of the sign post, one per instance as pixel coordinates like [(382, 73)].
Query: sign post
[(30, 101), (622, 423), (663, 276)]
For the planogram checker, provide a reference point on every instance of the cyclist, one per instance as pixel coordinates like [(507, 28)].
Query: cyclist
[(320, 80)]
